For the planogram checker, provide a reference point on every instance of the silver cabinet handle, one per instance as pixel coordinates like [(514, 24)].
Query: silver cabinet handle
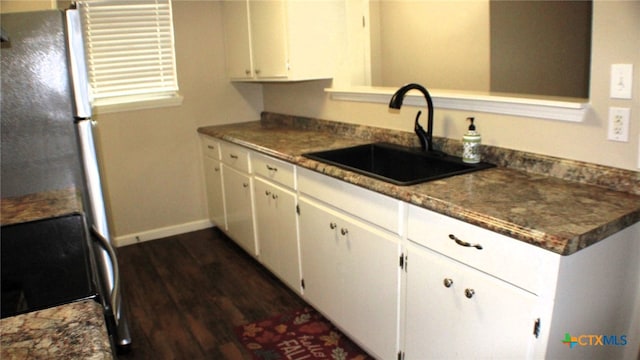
[(271, 168), (464, 243), (245, 185), (233, 156), (448, 282), (248, 72), (274, 196), (332, 225), (469, 293), (267, 192), (216, 169), (210, 147), (344, 231)]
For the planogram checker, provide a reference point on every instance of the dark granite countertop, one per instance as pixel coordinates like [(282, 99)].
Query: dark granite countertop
[(38, 206), (71, 331), (558, 205)]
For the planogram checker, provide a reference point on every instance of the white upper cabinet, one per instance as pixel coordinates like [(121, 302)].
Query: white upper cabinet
[(269, 39), (237, 40), (283, 40)]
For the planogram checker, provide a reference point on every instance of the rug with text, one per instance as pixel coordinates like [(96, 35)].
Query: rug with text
[(300, 335)]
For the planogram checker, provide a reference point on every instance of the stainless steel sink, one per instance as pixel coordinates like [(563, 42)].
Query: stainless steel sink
[(396, 164)]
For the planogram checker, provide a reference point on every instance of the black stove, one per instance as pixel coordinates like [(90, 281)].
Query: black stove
[(45, 263)]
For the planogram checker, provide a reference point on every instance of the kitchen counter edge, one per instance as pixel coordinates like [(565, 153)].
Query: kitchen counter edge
[(263, 139)]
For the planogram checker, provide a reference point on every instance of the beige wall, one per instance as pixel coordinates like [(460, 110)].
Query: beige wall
[(151, 158), (616, 39), (9, 6), (441, 43)]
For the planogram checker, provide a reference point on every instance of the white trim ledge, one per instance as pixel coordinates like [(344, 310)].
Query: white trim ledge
[(564, 109), (160, 233), (136, 103)]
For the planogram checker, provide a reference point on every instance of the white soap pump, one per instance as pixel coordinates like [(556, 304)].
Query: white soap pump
[(471, 144)]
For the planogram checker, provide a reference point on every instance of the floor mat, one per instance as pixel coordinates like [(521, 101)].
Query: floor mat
[(300, 335)]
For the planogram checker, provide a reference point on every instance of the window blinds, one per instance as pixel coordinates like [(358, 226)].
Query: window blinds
[(130, 48)]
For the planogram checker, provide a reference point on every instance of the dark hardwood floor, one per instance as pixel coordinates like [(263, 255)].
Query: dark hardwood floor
[(186, 294)]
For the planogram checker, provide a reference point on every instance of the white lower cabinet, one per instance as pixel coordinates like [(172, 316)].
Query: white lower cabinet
[(238, 201), (213, 181), (457, 312), (277, 231), (215, 195), (458, 291), (351, 274)]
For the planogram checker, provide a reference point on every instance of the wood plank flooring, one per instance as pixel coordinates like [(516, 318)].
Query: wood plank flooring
[(186, 294)]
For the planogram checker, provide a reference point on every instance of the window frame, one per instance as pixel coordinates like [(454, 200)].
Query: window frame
[(95, 16)]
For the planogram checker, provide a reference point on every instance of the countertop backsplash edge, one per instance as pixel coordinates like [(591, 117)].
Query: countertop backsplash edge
[(611, 178)]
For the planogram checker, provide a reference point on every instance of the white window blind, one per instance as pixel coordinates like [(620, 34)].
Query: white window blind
[(130, 49)]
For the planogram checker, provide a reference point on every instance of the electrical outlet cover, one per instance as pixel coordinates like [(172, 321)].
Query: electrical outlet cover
[(619, 124)]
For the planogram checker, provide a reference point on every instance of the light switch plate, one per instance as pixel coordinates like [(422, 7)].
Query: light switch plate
[(619, 124), (621, 81)]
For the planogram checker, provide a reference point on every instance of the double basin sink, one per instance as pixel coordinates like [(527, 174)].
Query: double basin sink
[(396, 164)]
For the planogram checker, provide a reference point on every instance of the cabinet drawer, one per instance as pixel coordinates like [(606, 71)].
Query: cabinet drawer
[(235, 156), (273, 169), (370, 206), (514, 261), (210, 147)]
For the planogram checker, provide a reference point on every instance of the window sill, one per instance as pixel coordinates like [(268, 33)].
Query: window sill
[(113, 106), (564, 109)]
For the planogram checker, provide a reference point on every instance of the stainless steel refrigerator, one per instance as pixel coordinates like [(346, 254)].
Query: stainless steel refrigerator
[(47, 140)]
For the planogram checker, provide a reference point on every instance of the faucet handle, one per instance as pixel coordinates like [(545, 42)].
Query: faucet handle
[(423, 136)]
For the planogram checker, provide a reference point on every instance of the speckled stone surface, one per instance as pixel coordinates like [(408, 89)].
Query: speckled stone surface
[(71, 331), (559, 205), (38, 206)]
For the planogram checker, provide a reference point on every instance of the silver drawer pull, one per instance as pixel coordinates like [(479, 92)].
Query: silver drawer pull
[(271, 168), (210, 147), (344, 231), (245, 185), (448, 282), (464, 243), (233, 156), (274, 196), (267, 192), (469, 293), (332, 225)]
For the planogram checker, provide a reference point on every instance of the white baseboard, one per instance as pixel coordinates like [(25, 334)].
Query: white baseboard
[(161, 232)]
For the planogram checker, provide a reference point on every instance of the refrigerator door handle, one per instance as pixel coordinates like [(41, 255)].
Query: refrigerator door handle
[(115, 288), (78, 65), (99, 225)]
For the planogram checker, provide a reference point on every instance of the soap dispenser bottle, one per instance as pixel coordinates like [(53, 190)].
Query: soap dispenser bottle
[(471, 144)]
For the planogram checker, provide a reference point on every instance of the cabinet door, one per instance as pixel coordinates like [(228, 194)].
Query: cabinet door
[(269, 38), (239, 205), (237, 39), (351, 274), (277, 231), (215, 198), (445, 320)]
